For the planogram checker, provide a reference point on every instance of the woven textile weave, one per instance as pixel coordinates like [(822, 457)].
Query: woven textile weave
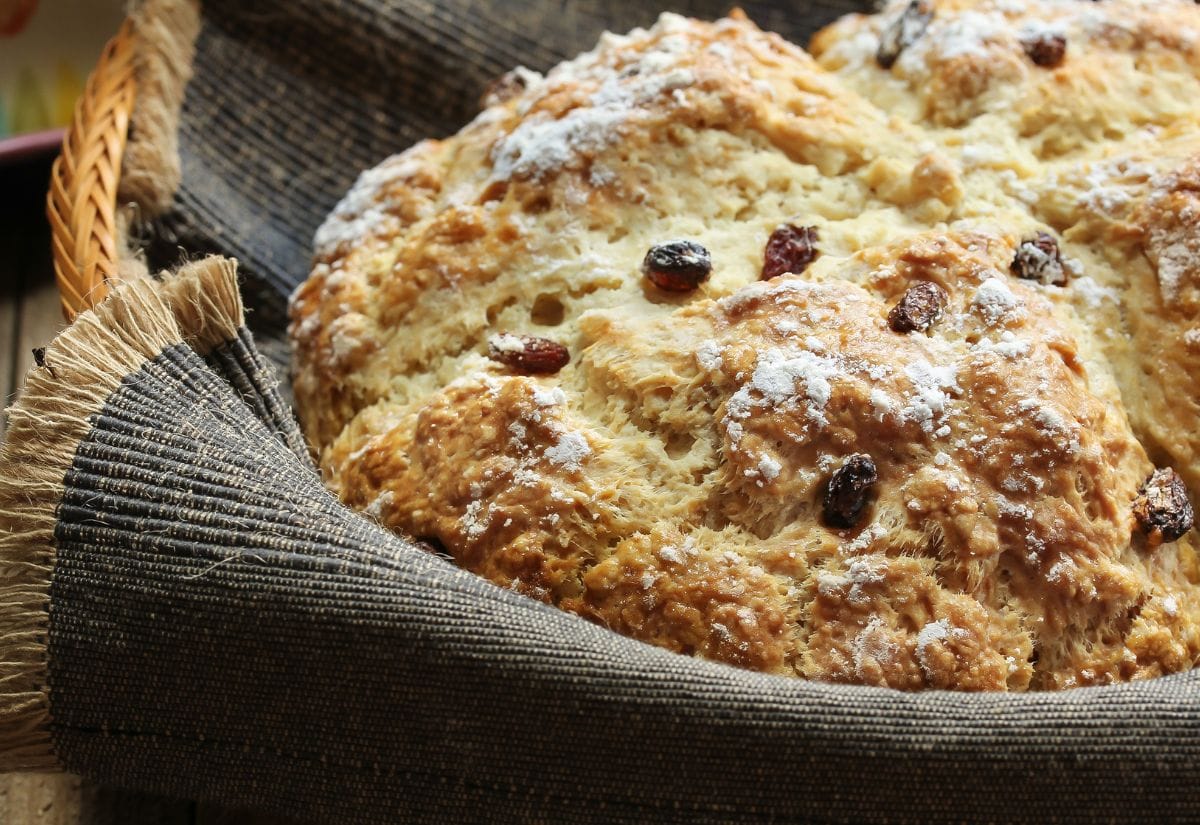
[(184, 609)]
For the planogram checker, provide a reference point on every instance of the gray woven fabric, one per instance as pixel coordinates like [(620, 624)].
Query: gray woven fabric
[(240, 364), (221, 628)]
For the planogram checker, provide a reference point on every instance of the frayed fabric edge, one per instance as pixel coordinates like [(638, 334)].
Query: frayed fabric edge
[(79, 371)]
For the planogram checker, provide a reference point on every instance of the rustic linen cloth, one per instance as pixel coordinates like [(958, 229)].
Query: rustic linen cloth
[(185, 610)]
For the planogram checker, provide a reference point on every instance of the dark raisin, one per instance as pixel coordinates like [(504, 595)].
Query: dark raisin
[(526, 354), (1162, 508), (1046, 50), (677, 266), (849, 491), (918, 308), (1040, 260), (789, 249), (903, 32)]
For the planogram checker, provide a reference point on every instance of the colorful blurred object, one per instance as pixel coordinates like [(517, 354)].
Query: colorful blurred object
[(47, 48), (28, 109), (14, 14)]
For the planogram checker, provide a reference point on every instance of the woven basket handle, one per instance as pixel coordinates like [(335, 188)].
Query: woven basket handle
[(82, 201)]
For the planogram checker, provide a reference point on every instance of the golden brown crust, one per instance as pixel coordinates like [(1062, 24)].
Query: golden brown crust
[(1128, 64), (667, 482)]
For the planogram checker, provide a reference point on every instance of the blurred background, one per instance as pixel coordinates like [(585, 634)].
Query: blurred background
[(47, 48)]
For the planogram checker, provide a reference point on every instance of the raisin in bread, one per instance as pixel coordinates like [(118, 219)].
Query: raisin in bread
[(876, 365)]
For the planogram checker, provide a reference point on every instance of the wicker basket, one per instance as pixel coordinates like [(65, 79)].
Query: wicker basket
[(82, 202)]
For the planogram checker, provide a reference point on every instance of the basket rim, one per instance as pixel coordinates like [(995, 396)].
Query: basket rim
[(81, 202)]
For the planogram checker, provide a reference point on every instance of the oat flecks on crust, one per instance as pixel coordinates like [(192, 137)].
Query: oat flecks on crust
[(670, 481)]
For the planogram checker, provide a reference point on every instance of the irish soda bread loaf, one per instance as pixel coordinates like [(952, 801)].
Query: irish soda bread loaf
[(879, 365)]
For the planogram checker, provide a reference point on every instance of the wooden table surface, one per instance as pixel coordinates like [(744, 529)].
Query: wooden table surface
[(29, 317)]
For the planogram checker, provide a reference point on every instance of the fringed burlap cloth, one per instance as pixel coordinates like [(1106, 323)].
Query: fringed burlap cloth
[(184, 610)]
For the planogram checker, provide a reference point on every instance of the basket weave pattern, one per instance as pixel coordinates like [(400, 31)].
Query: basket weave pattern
[(81, 204)]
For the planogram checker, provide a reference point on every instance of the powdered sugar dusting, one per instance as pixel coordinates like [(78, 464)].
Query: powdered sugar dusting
[(670, 554), (881, 402), (506, 343), (673, 554), (930, 397), (856, 50), (549, 397), (1060, 571), (769, 468), (1171, 606), (1109, 187), (777, 288), (472, 525), (569, 452), (1009, 346), (345, 337), (966, 34), (1052, 422), (1178, 258), (935, 632), (1092, 294), (872, 644), (380, 504), (1175, 247), (708, 356), (773, 384), (861, 573), (863, 540), (996, 302), (1033, 29), (542, 145), (361, 213)]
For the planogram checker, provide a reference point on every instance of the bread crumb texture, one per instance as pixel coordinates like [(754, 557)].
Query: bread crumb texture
[(672, 481)]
